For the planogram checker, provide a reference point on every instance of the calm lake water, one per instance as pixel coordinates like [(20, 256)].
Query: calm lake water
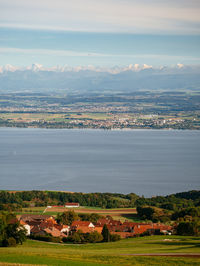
[(146, 162)]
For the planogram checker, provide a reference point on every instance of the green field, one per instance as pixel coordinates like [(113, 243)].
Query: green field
[(116, 253), (132, 217)]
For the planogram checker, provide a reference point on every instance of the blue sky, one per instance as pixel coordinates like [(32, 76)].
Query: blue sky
[(99, 33)]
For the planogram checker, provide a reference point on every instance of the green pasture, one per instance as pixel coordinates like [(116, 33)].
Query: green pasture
[(106, 210), (128, 217), (132, 217), (113, 254)]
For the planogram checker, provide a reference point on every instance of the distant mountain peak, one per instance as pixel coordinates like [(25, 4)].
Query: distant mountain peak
[(9, 67), (35, 67)]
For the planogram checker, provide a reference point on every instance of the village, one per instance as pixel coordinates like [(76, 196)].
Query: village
[(46, 225)]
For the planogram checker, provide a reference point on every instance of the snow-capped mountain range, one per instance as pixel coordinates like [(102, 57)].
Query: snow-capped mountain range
[(114, 70), (91, 78)]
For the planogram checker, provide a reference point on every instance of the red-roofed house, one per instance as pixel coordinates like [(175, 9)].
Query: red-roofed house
[(84, 226), (63, 228), (98, 229), (82, 223), (141, 228), (53, 231), (115, 223), (102, 221)]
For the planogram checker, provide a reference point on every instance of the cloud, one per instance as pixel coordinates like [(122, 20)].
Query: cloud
[(134, 16), (69, 53), (48, 52)]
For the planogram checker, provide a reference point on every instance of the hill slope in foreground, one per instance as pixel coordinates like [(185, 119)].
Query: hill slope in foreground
[(154, 250)]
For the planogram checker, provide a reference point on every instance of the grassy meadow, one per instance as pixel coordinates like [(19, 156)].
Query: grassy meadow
[(113, 254)]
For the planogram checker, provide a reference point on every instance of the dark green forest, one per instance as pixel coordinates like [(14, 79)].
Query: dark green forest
[(174, 202)]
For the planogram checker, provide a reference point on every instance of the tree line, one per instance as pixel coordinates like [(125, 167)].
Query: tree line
[(174, 202)]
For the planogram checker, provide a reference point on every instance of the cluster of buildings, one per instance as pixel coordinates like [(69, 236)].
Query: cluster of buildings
[(46, 225), (43, 225), (120, 122)]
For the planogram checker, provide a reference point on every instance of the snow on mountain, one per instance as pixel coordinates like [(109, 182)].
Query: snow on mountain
[(112, 70), (10, 68), (89, 78), (35, 67)]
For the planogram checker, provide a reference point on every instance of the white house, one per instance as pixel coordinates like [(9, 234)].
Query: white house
[(26, 226), (72, 205)]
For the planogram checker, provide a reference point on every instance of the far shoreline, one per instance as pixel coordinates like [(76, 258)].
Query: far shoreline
[(104, 129)]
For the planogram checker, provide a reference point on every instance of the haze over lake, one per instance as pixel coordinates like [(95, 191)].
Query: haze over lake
[(146, 162)]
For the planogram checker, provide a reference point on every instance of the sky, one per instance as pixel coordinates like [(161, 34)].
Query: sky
[(99, 32)]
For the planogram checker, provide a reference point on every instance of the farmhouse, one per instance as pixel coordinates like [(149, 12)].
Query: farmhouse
[(34, 219), (72, 205), (26, 226), (84, 226), (82, 223), (53, 231)]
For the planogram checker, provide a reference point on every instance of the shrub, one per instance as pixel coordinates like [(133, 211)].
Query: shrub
[(95, 237), (46, 238), (65, 239), (114, 237), (10, 242), (187, 229)]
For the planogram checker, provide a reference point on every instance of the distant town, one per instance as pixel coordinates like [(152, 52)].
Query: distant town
[(136, 110)]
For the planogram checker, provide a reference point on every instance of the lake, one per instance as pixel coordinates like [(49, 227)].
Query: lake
[(146, 162)]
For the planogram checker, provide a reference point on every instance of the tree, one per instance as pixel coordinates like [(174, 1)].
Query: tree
[(106, 234), (185, 229), (93, 217), (145, 212), (76, 237), (95, 237), (67, 217), (11, 232), (189, 228)]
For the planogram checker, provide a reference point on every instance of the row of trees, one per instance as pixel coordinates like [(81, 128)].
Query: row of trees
[(189, 228), (155, 214), (104, 200), (69, 216), (43, 198), (188, 219)]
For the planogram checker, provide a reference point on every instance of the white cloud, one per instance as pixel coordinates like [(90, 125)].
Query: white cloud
[(48, 52), (137, 16)]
